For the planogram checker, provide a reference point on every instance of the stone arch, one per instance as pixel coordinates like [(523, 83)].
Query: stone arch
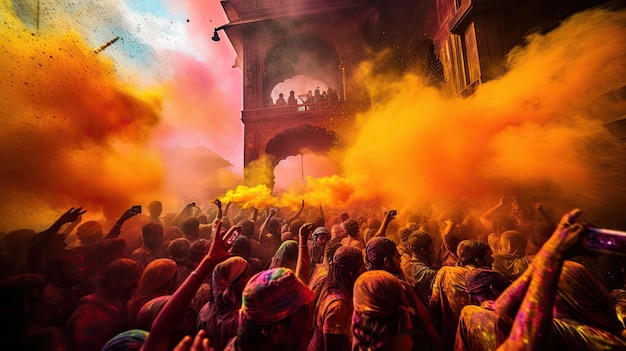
[(300, 54), (304, 137)]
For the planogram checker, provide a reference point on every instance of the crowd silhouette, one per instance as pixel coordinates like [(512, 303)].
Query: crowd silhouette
[(508, 277)]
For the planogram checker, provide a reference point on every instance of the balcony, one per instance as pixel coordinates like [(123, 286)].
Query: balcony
[(304, 111)]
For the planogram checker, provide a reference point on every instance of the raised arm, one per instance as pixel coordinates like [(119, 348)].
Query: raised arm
[(296, 215), (161, 330), (302, 266), (389, 216), (322, 216), (218, 203), (487, 218), (43, 239), (270, 213), (116, 230), (183, 214), (254, 214), (225, 214), (533, 323)]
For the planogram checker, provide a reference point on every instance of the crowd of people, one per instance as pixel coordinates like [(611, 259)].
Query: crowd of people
[(511, 278), (330, 96)]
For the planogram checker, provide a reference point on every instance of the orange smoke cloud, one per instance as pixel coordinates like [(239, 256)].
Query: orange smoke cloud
[(72, 134), (539, 130)]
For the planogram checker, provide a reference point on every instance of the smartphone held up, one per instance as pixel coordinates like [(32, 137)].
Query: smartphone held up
[(230, 236), (136, 209), (607, 241)]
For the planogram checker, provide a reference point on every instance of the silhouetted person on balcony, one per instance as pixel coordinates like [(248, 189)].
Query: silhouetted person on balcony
[(291, 100), (318, 95), (281, 100), (333, 96)]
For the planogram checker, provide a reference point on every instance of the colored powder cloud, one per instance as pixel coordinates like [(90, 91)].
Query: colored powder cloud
[(73, 133), (539, 132)]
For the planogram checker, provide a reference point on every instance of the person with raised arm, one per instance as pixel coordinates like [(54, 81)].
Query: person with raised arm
[(40, 244), (161, 330), (389, 216), (564, 307)]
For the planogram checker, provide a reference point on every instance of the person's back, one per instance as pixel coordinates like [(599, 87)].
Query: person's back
[(353, 239), (102, 315), (334, 307), (511, 261), (449, 294), (416, 267)]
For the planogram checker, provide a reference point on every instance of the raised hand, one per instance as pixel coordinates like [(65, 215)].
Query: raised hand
[(390, 215), (567, 234), (217, 202), (305, 230), (218, 251), (71, 215), (199, 343)]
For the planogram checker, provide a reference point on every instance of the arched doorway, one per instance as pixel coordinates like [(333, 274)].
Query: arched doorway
[(300, 152)]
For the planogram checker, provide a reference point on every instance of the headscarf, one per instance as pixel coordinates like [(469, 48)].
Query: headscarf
[(286, 255), (469, 250), (224, 274), (286, 236), (150, 310), (241, 246), (511, 260), (483, 284), (513, 242), (272, 295), (152, 283), (198, 250), (131, 340), (378, 293), (419, 239), (377, 250), (347, 260), (379, 297), (179, 249), (580, 296)]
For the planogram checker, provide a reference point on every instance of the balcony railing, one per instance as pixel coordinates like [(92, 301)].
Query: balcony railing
[(313, 108)]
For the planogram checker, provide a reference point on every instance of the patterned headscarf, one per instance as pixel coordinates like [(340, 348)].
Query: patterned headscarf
[(469, 250), (131, 340), (377, 250), (272, 295), (485, 284), (286, 255)]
